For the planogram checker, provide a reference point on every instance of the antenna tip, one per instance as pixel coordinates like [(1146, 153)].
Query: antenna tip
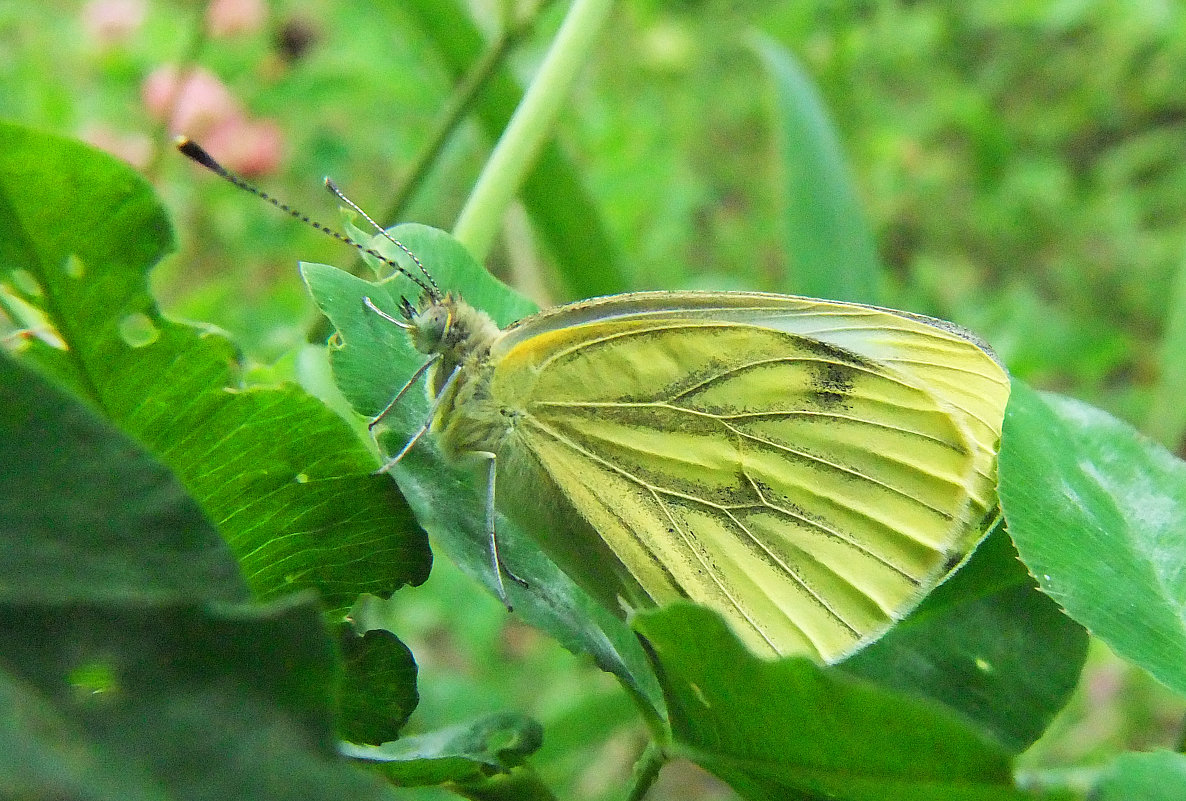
[(194, 151)]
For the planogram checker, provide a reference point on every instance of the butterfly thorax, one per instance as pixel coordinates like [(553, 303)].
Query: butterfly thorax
[(451, 329), (461, 337)]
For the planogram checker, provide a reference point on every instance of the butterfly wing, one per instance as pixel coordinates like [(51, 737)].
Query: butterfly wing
[(807, 468)]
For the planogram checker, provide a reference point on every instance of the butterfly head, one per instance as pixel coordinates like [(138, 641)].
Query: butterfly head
[(448, 326), (430, 323)]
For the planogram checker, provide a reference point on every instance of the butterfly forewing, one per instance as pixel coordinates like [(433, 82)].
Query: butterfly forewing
[(948, 361), (749, 455)]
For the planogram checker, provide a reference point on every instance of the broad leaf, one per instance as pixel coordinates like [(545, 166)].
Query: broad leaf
[(987, 644), (89, 515), (379, 685), (285, 480), (1098, 513), (469, 755), (153, 702), (128, 671), (790, 729)]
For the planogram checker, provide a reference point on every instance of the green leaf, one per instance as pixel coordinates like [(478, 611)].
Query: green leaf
[(46, 753), (468, 754), (126, 672), (561, 209), (154, 702), (790, 729), (828, 242), (122, 509), (285, 480), (378, 690), (987, 644), (1159, 776), (1097, 512), (372, 359), (518, 784)]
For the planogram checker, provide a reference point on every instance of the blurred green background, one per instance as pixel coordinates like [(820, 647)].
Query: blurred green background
[(1022, 166)]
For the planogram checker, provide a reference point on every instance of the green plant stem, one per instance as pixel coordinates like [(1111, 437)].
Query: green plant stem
[(456, 109), (653, 719), (646, 771), (162, 137), (1166, 422), (564, 216), (530, 126)]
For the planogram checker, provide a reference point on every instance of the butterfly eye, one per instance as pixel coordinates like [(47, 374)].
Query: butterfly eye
[(430, 328)]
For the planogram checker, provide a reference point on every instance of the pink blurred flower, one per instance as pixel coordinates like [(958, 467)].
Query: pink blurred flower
[(113, 21), (232, 17), (202, 108), (192, 106), (250, 148)]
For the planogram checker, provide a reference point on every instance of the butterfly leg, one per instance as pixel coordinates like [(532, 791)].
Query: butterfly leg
[(420, 432), (500, 569), (370, 304), (492, 541), (403, 390)]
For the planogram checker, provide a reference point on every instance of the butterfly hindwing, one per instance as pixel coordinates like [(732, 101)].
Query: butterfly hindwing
[(746, 456)]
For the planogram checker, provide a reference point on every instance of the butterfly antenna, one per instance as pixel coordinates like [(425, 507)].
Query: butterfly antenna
[(193, 151), (333, 188)]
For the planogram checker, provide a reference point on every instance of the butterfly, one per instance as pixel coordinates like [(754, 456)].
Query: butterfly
[(810, 469)]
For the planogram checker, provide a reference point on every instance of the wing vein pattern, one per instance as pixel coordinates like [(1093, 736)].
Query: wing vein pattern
[(808, 469)]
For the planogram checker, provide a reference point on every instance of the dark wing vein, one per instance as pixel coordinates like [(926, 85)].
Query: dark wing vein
[(805, 455), (690, 541), (727, 511), (789, 413)]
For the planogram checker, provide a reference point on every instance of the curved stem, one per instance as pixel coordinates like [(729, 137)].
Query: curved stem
[(646, 771), (162, 136), (656, 726), (1166, 421), (514, 155), (456, 108)]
